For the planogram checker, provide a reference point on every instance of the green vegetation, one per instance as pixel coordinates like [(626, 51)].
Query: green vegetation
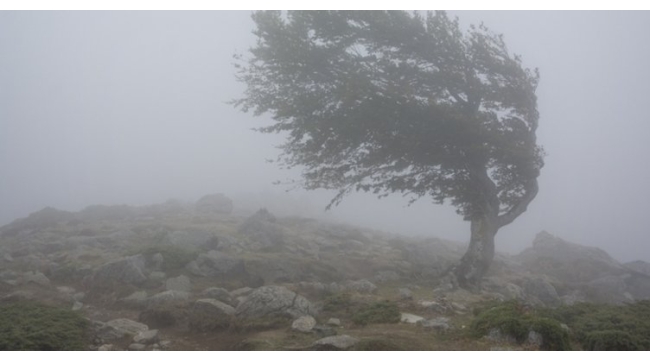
[(607, 327), (382, 312), (596, 327), (36, 327), (338, 302), (516, 320)]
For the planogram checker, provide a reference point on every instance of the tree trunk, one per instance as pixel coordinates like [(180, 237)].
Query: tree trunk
[(476, 261)]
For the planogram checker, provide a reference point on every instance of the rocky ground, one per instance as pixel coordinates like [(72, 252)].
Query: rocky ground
[(178, 276)]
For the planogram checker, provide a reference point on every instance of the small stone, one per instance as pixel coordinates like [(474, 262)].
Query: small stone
[(411, 318), (137, 347), (146, 337), (303, 324), (458, 307), (106, 347), (440, 324), (127, 326), (334, 322), (77, 306)]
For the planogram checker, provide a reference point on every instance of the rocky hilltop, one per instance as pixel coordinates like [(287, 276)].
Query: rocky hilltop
[(198, 277)]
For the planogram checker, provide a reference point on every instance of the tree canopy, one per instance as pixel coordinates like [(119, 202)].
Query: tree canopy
[(397, 102)]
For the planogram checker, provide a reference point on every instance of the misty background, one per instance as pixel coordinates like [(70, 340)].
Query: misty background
[(131, 108)]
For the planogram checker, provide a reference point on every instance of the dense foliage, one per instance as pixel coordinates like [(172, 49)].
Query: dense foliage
[(396, 102)]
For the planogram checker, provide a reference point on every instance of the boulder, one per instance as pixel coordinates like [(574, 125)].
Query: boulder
[(218, 294), (36, 277), (128, 270), (167, 308), (639, 266), (180, 283), (542, 290), (362, 286), (137, 299), (217, 264), (439, 324), (146, 337), (210, 314), (262, 230), (272, 301), (566, 261), (167, 297), (117, 329), (410, 318)]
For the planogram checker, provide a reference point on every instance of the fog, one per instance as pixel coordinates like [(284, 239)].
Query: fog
[(131, 108)]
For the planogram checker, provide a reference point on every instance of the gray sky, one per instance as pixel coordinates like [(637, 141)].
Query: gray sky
[(130, 107)]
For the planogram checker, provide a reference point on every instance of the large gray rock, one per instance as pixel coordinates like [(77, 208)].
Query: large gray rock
[(362, 286), (439, 324), (167, 297), (168, 308), (36, 277), (146, 337), (272, 301), (216, 264), (128, 270), (180, 283), (542, 290), (262, 230), (639, 266), (210, 314), (216, 293), (568, 262), (137, 299), (214, 203), (117, 329)]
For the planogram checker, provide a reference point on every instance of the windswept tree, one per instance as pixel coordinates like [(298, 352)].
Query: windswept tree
[(396, 102)]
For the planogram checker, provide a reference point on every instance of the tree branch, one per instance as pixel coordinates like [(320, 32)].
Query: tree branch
[(531, 188)]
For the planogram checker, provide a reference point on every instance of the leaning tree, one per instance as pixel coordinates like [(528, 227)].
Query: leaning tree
[(396, 102)]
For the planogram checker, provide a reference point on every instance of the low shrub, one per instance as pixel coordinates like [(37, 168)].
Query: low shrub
[(607, 327), (36, 327), (382, 312), (516, 320)]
